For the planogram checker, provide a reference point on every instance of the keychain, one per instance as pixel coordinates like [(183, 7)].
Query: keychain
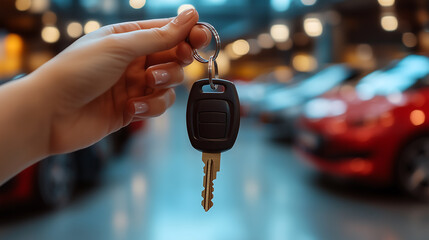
[(212, 118)]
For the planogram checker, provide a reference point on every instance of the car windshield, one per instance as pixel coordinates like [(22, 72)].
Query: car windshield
[(395, 79), (311, 87)]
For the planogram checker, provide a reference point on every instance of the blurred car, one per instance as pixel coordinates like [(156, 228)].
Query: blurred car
[(281, 108), (252, 93), (52, 180), (377, 132)]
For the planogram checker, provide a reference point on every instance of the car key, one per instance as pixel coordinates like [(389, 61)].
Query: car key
[(213, 120)]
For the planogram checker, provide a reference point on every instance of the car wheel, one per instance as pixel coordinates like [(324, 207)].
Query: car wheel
[(412, 168), (56, 180), (89, 164)]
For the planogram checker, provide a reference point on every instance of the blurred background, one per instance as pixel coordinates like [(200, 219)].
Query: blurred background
[(333, 144)]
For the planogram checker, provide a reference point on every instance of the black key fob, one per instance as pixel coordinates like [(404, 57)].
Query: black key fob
[(213, 117)]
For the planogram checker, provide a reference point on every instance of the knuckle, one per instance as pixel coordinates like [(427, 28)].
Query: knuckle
[(163, 37)]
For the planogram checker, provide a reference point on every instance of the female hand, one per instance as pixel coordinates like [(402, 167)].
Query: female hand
[(115, 75)]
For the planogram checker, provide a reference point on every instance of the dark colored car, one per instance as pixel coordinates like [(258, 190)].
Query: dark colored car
[(377, 132), (52, 181)]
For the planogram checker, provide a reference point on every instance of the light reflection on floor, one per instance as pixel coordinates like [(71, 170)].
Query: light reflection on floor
[(262, 192)]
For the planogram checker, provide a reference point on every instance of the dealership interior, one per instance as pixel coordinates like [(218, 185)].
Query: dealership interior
[(333, 140)]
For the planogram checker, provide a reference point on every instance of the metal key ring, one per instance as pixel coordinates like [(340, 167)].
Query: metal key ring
[(197, 56), (212, 64)]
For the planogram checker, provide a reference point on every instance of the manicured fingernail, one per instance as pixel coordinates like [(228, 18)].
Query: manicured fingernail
[(161, 76), (189, 59), (207, 40), (184, 16), (140, 107)]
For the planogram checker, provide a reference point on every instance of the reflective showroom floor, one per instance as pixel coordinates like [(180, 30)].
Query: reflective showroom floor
[(262, 192)]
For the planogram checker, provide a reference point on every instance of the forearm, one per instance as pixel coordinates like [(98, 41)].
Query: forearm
[(25, 120)]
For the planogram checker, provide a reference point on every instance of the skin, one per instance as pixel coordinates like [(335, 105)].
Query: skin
[(99, 84)]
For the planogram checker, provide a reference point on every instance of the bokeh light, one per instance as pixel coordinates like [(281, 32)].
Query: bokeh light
[(417, 117), (265, 41), (389, 23), (230, 52), (184, 7), (137, 4), (364, 52), (254, 46), (280, 5), (304, 62), (74, 29), (39, 6), (91, 26), (283, 74), (23, 5), (313, 27), (49, 18), (308, 2), (50, 34), (241, 47), (279, 32), (386, 3), (409, 39)]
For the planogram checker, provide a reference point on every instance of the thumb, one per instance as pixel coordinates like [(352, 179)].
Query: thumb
[(148, 41)]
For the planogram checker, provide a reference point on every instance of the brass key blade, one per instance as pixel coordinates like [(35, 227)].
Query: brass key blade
[(208, 185), (211, 167)]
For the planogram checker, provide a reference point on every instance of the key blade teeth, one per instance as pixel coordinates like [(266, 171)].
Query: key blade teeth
[(211, 167), (207, 206)]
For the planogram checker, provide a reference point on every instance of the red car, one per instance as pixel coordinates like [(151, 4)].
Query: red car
[(376, 132)]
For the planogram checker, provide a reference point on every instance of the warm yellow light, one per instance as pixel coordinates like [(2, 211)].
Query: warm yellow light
[(49, 18), (417, 117), (23, 5), (364, 52), (308, 2), (13, 45), (240, 47), (386, 3), (389, 23), (184, 7), (230, 52), (265, 41), (409, 39), (194, 71), (50, 34), (283, 74), (224, 63), (91, 26), (137, 4), (279, 32), (304, 62), (313, 27), (74, 29), (39, 6)]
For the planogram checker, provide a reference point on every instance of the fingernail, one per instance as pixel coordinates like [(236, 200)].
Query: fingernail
[(161, 77), (140, 107), (190, 59), (184, 16), (207, 40)]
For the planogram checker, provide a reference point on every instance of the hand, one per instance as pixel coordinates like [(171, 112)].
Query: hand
[(115, 75)]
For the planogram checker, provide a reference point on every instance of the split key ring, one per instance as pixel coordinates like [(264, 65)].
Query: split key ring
[(212, 64)]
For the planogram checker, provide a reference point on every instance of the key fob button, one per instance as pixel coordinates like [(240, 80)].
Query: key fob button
[(212, 117), (212, 130)]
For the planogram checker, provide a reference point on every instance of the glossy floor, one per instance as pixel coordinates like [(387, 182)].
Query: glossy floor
[(262, 192)]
